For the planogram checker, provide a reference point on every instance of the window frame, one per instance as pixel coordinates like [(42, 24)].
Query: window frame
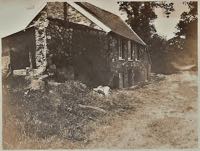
[(121, 49), (130, 51), (137, 53)]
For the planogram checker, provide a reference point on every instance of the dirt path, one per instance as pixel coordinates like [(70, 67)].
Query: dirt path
[(166, 118)]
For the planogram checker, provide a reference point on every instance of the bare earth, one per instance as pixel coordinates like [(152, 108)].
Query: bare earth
[(166, 118)]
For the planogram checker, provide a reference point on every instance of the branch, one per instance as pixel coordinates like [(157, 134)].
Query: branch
[(92, 107)]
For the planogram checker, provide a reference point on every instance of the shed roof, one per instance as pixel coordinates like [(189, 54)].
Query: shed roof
[(104, 19), (114, 22)]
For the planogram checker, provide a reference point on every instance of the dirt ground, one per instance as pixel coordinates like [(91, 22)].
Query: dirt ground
[(164, 116)]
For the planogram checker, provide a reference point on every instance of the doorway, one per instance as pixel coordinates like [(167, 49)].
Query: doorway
[(121, 80), (137, 76), (116, 82)]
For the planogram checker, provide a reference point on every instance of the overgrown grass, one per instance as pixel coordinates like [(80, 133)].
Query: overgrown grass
[(55, 111)]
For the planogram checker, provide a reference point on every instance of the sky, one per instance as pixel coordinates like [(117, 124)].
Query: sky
[(16, 14), (167, 26)]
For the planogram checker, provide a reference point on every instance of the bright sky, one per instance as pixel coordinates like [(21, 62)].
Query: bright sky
[(16, 14), (166, 26)]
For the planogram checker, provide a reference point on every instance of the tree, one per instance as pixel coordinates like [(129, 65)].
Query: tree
[(187, 25), (140, 16), (186, 37)]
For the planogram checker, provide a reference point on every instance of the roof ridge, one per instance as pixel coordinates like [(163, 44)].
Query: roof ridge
[(92, 17), (79, 2), (106, 20), (134, 33), (88, 7), (37, 11)]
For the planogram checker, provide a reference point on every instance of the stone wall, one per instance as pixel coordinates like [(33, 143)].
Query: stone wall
[(96, 49), (53, 10), (59, 46), (40, 22), (92, 54), (139, 69), (59, 38), (56, 10), (40, 35), (91, 58), (79, 47)]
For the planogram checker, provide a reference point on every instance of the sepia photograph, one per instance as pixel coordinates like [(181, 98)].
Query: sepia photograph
[(99, 74)]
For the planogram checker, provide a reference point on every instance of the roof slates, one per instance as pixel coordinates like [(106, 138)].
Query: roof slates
[(114, 22)]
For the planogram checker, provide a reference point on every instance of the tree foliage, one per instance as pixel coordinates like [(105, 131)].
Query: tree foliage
[(187, 25), (185, 40), (140, 16)]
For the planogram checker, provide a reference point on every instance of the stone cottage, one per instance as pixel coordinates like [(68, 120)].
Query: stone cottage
[(77, 40)]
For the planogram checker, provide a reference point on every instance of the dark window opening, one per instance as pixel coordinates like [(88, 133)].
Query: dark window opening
[(121, 49), (131, 50), (137, 55)]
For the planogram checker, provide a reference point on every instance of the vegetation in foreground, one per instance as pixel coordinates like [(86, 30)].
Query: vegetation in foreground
[(63, 110)]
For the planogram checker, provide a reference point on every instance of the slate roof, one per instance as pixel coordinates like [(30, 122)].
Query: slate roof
[(114, 22)]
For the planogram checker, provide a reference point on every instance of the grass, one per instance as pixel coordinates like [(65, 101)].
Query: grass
[(34, 118)]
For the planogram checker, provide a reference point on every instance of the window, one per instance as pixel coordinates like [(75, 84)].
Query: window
[(136, 48), (121, 45), (142, 50), (130, 52), (131, 48)]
